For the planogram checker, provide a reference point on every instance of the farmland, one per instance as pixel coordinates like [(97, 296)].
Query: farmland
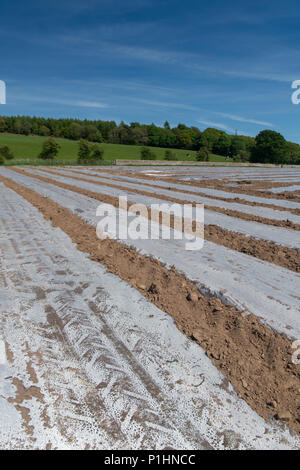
[(27, 148), (140, 343)]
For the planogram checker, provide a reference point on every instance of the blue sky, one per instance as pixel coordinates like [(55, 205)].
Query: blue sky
[(226, 64)]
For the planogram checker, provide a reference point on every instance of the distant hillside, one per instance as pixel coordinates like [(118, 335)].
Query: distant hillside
[(182, 139), (179, 137), (27, 148)]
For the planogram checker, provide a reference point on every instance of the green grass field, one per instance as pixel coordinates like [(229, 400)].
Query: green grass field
[(27, 148)]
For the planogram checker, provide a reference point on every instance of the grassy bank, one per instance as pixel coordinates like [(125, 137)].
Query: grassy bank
[(27, 148)]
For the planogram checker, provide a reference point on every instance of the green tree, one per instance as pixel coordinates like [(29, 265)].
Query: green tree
[(293, 153), (212, 136), (50, 149), (170, 156), (270, 147), (75, 131), (3, 126), (184, 138), (6, 152), (237, 145), (44, 130), (139, 135), (93, 134), (202, 155), (84, 151), (26, 126), (96, 154), (89, 153), (203, 142), (243, 156), (147, 154), (18, 125), (222, 147), (136, 133)]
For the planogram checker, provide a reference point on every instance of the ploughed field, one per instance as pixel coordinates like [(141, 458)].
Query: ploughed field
[(141, 344)]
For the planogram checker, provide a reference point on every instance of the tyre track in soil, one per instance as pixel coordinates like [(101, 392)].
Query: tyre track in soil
[(155, 183), (61, 418), (237, 344), (255, 200), (72, 416), (255, 286), (267, 251), (242, 190), (216, 184), (110, 401), (279, 237), (284, 221)]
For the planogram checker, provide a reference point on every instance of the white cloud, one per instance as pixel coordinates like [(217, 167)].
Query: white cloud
[(198, 63), (267, 66), (29, 97), (216, 124), (167, 104), (86, 104), (243, 119)]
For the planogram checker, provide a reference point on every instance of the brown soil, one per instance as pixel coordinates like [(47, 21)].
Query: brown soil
[(285, 257), (244, 186), (253, 357), (232, 213), (246, 183), (240, 189), (264, 184), (189, 190)]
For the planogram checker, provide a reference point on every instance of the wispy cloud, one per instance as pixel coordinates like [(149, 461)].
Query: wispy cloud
[(268, 66), (167, 104), (216, 124), (281, 77), (29, 97), (201, 64), (147, 54), (75, 103), (85, 104), (234, 117)]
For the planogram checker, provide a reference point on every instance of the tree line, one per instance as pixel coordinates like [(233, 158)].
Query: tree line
[(181, 136), (268, 147), (88, 153)]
